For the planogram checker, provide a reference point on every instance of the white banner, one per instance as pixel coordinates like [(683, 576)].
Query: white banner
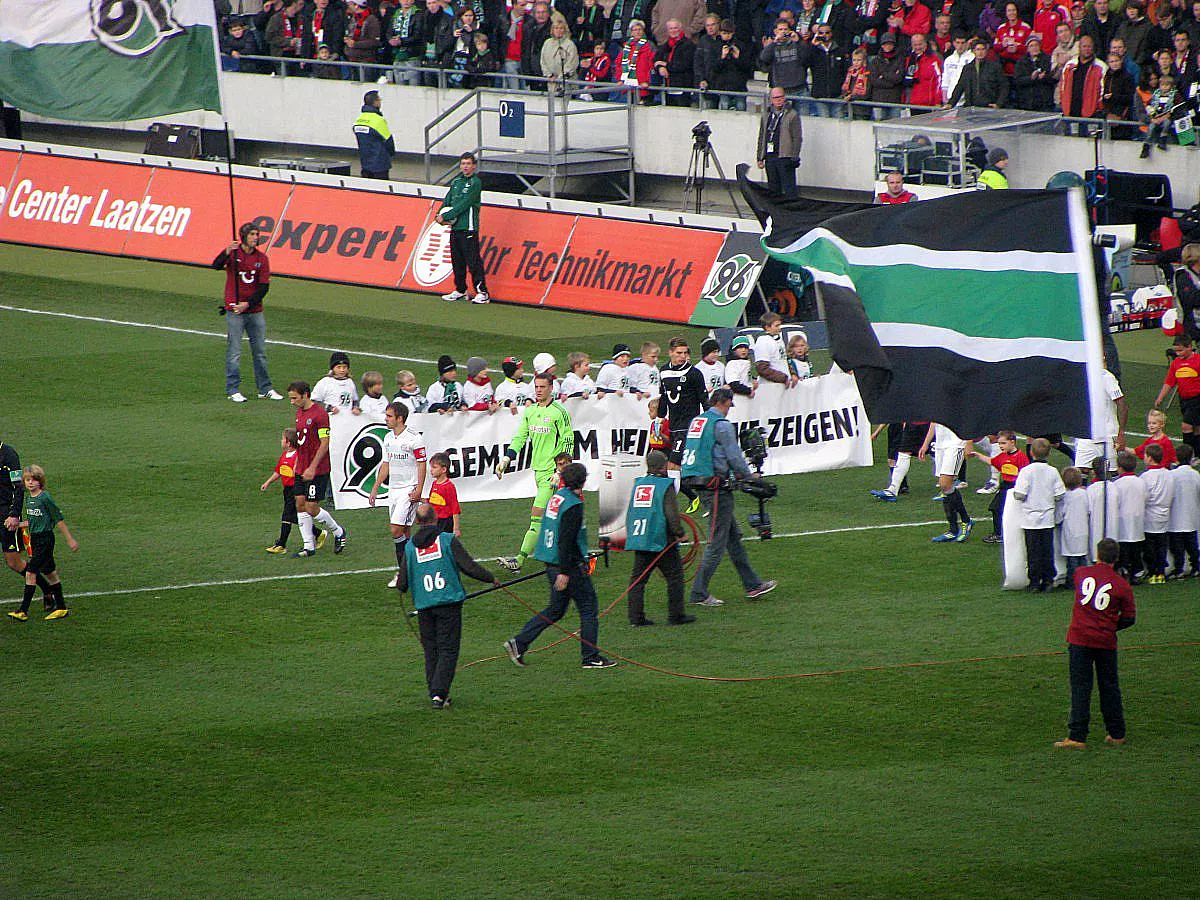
[(819, 424)]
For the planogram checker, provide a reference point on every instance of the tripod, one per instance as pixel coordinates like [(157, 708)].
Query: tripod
[(697, 175)]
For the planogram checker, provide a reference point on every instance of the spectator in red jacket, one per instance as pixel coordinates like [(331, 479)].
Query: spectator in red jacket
[(922, 74), (1046, 19), (1082, 79), (636, 60)]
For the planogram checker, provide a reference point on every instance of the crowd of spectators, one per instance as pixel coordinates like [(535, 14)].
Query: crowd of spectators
[(1117, 60)]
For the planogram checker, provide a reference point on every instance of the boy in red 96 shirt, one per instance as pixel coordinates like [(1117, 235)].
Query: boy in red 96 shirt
[(1103, 606)]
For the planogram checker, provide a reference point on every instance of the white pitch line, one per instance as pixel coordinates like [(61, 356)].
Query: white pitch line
[(299, 576), (212, 334)]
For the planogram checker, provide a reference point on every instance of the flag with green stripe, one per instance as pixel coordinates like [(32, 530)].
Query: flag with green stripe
[(108, 60), (978, 310)]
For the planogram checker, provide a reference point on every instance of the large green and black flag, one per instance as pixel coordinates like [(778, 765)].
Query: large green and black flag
[(976, 310)]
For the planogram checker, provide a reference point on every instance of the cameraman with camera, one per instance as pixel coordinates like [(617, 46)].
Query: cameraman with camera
[(712, 459)]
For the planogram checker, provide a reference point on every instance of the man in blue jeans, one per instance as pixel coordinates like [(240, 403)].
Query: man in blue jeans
[(562, 546), (247, 279), (710, 454)]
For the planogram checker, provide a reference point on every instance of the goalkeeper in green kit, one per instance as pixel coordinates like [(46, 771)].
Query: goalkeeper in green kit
[(546, 425)]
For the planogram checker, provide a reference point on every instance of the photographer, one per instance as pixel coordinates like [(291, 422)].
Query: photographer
[(711, 456)]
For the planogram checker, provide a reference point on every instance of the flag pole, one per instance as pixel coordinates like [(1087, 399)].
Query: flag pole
[(229, 175)]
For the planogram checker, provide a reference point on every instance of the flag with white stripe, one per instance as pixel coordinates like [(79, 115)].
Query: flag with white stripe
[(976, 310), (108, 60)]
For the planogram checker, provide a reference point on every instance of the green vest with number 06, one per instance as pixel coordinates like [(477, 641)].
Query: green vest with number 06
[(645, 521), (432, 573), (548, 538), (698, 448)]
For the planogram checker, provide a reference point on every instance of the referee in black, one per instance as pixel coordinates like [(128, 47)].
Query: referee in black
[(684, 396), (460, 210)]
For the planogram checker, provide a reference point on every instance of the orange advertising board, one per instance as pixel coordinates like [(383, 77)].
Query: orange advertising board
[(198, 205), (81, 204), (534, 257), (634, 269), (337, 235), (519, 249)]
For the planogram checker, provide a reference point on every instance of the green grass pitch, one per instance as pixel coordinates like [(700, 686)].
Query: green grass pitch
[(271, 737)]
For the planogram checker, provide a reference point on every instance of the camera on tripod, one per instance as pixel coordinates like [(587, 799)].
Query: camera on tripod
[(753, 442), (701, 133)]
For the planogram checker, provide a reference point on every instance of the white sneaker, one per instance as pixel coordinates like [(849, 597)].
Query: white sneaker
[(382, 79), (990, 488), (453, 295), (481, 297), (237, 397), (395, 578), (961, 485), (271, 395)]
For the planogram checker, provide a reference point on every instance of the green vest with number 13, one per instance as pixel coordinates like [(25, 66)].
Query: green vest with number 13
[(548, 538)]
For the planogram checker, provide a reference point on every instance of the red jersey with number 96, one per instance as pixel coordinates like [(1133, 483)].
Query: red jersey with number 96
[(1102, 599)]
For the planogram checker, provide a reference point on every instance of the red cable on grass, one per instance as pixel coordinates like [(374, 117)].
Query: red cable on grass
[(828, 672)]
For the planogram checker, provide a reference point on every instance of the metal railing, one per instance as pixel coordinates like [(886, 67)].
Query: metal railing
[(414, 74)]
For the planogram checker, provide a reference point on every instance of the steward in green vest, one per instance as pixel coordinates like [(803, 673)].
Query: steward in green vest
[(432, 567), (698, 448), (562, 546), (653, 532), (375, 143)]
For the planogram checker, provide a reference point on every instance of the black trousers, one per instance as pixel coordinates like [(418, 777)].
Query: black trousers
[(1131, 558), (1039, 552), (441, 634), (996, 507), (464, 255), (671, 567), (1082, 661), (1154, 552), (1183, 545)]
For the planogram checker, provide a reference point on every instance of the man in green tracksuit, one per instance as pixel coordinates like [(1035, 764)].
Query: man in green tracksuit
[(460, 210), (546, 425)]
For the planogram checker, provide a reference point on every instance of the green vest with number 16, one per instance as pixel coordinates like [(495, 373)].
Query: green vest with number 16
[(548, 538), (432, 573), (698, 449), (645, 521)]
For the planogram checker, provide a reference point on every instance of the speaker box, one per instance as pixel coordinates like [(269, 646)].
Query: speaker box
[(1131, 198), (179, 141), (10, 122)]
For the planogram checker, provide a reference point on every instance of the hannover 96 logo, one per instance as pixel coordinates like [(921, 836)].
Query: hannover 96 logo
[(361, 464), (732, 281), (133, 27)]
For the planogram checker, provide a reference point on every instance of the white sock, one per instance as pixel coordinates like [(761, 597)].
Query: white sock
[(306, 531), (325, 519), (900, 472)]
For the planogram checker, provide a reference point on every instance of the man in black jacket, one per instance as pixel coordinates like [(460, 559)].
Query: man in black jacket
[(535, 31), (438, 596), (675, 63), (982, 83), (827, 66)]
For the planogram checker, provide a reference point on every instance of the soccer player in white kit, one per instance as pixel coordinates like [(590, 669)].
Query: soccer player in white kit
[(403, 468), (1112, 441), (949, 450)]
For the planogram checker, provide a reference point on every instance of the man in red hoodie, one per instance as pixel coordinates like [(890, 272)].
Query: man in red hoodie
[(922, 74), (1103, 606)]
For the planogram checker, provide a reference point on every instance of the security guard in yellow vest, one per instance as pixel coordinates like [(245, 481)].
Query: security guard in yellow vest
[(375, 144), (993, 178)]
